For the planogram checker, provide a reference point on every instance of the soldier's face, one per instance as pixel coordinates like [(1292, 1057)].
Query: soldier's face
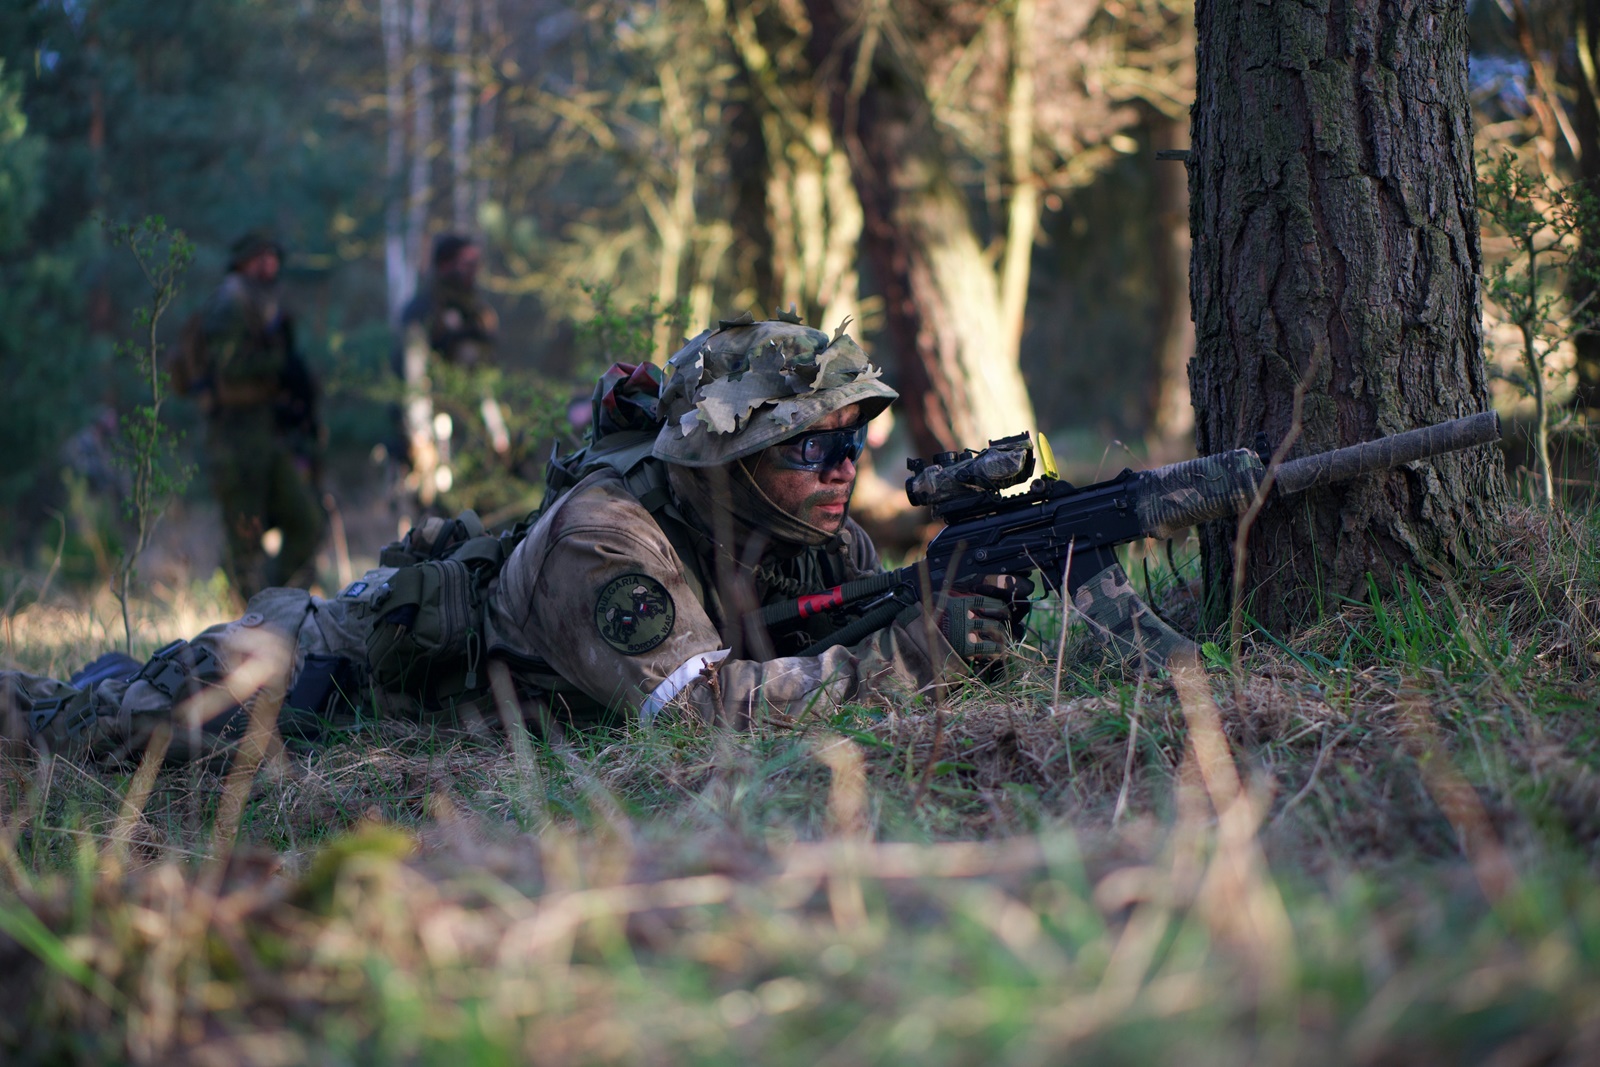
[(262, 267), (464, 267), (817, 497)]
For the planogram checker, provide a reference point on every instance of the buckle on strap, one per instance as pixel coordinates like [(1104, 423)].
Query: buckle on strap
[(177, 670), (44, 713)]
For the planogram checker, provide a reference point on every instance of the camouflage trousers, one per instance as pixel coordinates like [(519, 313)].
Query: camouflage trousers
[(202, 690), (262, 482), (1120, 619)]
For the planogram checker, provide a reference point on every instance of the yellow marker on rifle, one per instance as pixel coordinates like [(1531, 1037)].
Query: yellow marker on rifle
[(1047, 457)]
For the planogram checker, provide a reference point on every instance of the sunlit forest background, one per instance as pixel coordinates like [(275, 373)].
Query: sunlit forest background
[(709, 157)]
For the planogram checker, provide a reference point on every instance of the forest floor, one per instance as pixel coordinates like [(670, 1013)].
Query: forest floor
[(1373, 843)]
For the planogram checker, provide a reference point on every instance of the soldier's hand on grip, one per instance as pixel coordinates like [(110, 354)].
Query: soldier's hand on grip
[(1014, 589), (979, 624)]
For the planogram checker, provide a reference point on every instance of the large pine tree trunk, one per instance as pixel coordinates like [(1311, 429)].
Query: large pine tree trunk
[(1336, 242)]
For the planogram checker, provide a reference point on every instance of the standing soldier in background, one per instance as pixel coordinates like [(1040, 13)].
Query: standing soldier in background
[(448, 320), (238, 357)]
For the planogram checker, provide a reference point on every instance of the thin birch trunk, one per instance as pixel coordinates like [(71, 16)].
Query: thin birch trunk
[(420, 191), (813, 215), (1024, 214), (675, 220), (483, 128), (398, 275), (461, 117)]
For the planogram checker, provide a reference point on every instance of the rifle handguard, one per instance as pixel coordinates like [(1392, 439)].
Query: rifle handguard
[(1173, 498)]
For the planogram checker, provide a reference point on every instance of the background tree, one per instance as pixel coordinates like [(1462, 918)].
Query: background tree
[(1535, 89), (960, 121), (1582, 68), (799, 211), (1336, 245)]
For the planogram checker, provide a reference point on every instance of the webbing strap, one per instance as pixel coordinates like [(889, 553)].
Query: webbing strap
[(480, 549), (647, 483), (871, 622), (405, 589)]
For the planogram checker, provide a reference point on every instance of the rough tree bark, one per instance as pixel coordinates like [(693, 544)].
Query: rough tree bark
[(1336, 242)]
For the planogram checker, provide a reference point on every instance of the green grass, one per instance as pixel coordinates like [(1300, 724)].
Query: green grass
[(1374, 843)]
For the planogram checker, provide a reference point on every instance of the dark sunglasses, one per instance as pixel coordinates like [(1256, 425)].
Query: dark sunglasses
[(820, 451)]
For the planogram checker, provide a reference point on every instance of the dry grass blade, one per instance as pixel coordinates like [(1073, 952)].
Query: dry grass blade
[(115, 857), (1237, 897), (1458, 801), (847, 808)]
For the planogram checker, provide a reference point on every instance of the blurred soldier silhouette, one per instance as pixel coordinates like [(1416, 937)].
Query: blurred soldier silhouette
[(448, 321), (238, 357)]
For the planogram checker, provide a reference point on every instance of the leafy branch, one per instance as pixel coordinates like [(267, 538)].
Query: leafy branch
[(148, 444), (1545, 223)]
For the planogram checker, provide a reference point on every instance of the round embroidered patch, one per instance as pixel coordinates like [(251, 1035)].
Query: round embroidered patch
[(635, 613)]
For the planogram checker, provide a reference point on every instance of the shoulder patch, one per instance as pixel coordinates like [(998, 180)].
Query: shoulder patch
[(634, 613)]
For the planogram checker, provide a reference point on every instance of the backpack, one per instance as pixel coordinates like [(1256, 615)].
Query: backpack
[(432, 587)]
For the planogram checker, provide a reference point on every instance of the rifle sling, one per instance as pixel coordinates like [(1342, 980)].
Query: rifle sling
[(802, 607), (871, 622)]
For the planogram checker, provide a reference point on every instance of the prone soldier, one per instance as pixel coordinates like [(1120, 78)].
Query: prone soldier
[(698, 555), (728, 490)]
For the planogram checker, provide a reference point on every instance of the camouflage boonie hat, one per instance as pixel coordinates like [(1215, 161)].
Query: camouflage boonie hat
[(251, 245), (735, 389)]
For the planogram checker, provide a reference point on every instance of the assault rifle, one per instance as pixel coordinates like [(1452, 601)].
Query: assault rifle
[(1068, 532)]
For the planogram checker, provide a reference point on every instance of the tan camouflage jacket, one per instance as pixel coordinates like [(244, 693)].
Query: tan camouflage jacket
[(598, 595)]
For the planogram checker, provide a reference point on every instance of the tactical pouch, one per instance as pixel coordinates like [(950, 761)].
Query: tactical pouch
[(428, 639)]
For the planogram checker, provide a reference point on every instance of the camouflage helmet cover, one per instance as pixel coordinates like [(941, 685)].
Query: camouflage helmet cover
[(735, 389)]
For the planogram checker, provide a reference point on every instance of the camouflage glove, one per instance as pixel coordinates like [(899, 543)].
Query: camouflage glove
[(1011, 590), (978, 625)]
